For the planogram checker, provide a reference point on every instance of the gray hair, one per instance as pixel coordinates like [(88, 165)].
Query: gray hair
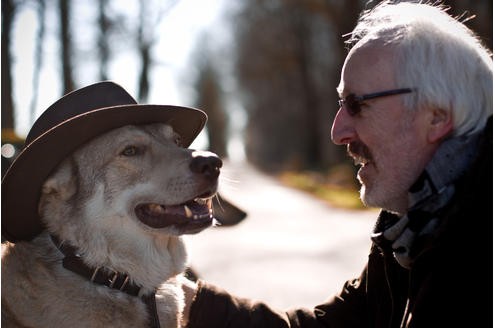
[(438, 56)]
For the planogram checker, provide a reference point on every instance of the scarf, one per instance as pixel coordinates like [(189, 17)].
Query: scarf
[(426, 198)]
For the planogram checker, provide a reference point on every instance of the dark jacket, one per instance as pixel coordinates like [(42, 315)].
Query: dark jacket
[(449, 285)]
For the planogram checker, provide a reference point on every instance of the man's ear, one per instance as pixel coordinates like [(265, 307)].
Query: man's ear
[(440, 124)]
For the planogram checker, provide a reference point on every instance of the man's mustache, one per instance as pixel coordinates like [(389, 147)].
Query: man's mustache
[(359, 151)]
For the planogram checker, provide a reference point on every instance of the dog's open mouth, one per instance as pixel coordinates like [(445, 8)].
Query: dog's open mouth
[(189, 217)]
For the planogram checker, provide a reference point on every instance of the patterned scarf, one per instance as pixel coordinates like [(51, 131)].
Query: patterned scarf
[(428, 195)]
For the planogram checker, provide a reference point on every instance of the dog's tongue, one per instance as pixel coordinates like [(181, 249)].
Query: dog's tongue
[(160, 216)]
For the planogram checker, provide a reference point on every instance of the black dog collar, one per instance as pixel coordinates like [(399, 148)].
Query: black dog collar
[(106, 277)]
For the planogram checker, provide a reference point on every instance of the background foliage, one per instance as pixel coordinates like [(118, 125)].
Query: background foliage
[(284, 63)]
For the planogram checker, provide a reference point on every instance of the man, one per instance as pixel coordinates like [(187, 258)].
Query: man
[(415, 115)]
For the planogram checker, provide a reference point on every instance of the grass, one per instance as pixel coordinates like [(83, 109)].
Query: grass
[(337, 186)]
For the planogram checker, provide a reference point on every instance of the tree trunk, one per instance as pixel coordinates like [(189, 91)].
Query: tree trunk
[(38, 56), (103, 47), (66, 45), (8, 10)]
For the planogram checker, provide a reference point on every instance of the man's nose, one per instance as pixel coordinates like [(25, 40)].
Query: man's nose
[(343, 131)]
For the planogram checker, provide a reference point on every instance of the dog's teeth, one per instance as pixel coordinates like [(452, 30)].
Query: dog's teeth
[(188, 212), (156, 208), (202, 201)]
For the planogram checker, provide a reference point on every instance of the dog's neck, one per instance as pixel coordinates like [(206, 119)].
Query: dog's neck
[(99, 275), (149, 259), (107, 277)]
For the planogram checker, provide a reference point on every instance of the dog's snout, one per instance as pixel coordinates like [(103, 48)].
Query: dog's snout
[(206, 163)]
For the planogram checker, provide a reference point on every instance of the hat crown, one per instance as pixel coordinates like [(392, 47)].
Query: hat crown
[(98, 95)]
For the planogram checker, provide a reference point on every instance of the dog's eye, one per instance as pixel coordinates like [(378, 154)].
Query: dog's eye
[(130, 151)]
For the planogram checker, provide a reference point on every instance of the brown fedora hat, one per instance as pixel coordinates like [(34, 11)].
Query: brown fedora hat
[(66, 125)]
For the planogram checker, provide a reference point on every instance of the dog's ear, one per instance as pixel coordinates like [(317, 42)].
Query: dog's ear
[(226, 213), (62, 183)]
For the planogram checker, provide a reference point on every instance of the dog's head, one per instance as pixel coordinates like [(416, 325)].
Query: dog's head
[(129, 186), (135, 175)]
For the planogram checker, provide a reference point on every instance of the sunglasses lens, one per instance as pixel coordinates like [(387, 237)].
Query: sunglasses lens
[(353, 106), (350, 103)]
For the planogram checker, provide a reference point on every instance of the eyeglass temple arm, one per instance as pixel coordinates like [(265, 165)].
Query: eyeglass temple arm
[(385, 93)]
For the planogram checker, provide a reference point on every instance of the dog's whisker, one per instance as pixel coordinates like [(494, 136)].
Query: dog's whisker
[(229, 180), (219, 201)]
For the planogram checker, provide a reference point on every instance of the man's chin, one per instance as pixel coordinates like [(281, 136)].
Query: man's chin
[(372, 198), (365, 197), (370, 193)]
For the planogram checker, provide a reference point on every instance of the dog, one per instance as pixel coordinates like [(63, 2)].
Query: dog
[(115, 209)]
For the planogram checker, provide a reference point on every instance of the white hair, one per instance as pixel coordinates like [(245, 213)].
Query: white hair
[(438, 56)]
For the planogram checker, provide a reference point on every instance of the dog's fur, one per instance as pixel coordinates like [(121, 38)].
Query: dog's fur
[(89, 202)]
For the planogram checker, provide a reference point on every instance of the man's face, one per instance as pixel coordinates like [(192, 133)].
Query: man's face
[(389, 142)]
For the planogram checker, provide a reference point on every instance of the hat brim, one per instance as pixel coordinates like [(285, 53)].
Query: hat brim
[(21, 185)]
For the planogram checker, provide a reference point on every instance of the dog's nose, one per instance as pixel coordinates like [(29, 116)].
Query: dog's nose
[(206, 163)]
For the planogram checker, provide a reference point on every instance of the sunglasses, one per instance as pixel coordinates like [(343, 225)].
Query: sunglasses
[(353, 103)]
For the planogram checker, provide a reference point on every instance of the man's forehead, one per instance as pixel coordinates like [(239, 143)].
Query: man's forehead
[(371, 55), (367, 68)]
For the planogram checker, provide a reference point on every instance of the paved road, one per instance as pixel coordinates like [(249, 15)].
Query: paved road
[(291, 250)]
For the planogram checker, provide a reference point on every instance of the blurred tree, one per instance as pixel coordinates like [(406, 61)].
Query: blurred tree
[(11, 142), (289, 56), (150, 15), (209, 99), (144, 43), (104, 23), (8, 12), (269, 81), (38, 55), (66, 50), (115, 30), (288, 64)]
